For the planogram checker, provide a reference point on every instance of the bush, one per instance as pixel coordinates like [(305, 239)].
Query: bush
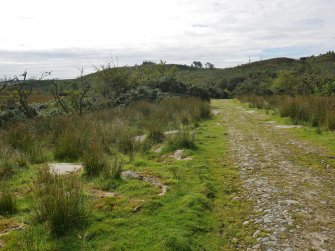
[(7, 202), (58, 201)]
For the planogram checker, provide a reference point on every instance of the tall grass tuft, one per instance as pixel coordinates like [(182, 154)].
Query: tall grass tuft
[(25, 139), (184, 139), (7, 202), (318, 111), (7, 168), (94, 159), (114, 169), (58, 201), (70, 145)]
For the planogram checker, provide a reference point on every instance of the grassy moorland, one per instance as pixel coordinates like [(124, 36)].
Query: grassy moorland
[(159, 171), (63, 212)]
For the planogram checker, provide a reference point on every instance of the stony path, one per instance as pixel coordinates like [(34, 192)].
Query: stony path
[(289, 182)]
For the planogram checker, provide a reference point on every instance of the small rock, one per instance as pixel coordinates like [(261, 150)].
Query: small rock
[(246, 222), (140, 138), (178, 154), (64, 168), (257, 246), (270, 243), (215, 112), (256, 233), (265, 239), (291, 202), (273, 238), (288, 249), (128, 175), (171, 132), (267, 220), (288, 126)]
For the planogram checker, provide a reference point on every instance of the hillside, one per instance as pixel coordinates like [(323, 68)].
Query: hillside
[(230, 78)]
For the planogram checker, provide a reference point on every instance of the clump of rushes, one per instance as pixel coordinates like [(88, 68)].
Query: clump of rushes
[(156, 134), (114, 169), (58, 201), (70, 145), (184, 139), (25, 140), (6, 168), (94, 160), (314, 110), (7, 202)]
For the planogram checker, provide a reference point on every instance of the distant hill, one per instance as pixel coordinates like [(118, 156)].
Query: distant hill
[(319, 69)]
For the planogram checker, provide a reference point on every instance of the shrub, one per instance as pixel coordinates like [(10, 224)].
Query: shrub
[(7, 202), (58, 201)]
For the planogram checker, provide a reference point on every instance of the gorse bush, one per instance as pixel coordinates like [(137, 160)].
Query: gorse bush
[(58, 201), (317, 111), (7, 202)]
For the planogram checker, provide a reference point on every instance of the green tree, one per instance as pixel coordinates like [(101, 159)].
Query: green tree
[(285, 83)]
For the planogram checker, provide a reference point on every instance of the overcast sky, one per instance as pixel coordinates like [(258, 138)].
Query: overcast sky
[(62, 35)]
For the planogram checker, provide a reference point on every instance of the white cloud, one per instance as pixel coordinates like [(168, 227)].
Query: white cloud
[(61, 34)]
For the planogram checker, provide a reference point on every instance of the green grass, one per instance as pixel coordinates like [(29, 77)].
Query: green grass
[(198, 211), (58, 202)]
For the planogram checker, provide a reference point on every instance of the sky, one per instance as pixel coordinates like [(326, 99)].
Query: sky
[(64, 35)]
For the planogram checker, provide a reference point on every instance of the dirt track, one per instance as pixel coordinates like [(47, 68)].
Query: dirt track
[(289, 182)]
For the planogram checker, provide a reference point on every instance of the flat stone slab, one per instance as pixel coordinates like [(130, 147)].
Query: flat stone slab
[(128, 175), (171, 132), (140, 138), (180, 155), (215, 112), (64, 168), (102, 194), (251, 111), (288, 126)]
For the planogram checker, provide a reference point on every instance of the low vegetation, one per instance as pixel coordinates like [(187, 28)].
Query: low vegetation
[(58, 201), (318, 111), (7, 202)]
